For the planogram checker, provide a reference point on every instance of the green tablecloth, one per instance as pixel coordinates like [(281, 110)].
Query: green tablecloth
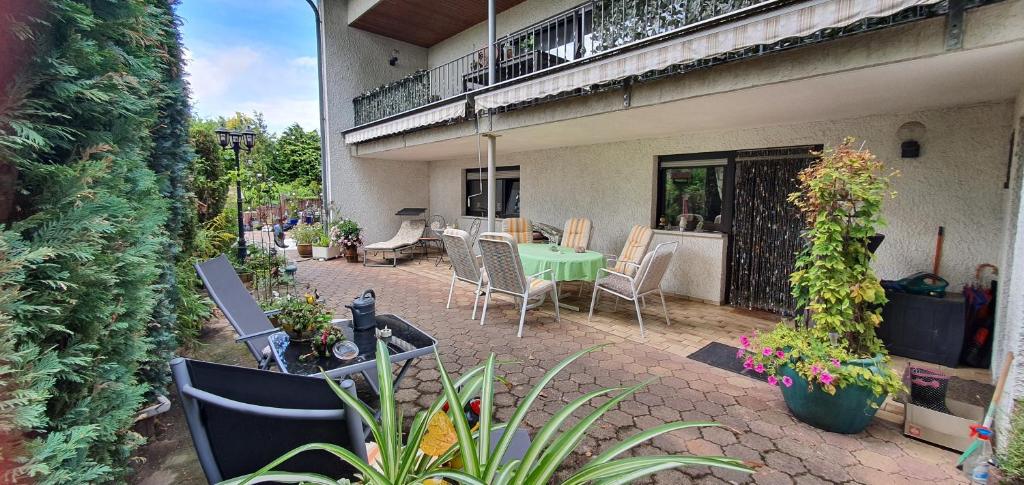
[(568, 265)]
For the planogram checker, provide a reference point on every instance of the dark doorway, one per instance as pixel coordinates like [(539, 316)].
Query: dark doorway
[(766, 227)]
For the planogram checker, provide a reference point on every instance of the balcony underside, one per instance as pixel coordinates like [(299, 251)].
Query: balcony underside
[(954, 79), (425, 22)]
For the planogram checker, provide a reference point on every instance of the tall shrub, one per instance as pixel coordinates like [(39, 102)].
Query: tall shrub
[(85, 249)]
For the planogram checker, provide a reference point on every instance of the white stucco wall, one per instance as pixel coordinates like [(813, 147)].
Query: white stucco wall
[(957, 182), (370, 191), (515, 18)]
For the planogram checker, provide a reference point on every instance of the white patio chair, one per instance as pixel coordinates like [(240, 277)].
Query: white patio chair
[(465, 265), (408, 236), (505, 275), (647, 280), (519, 228), (577, 233)]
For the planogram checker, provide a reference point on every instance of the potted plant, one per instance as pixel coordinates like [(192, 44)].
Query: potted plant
[(323, 341), (300, 318), (304, 236), (831, 365), (324, 248), (346, 233)]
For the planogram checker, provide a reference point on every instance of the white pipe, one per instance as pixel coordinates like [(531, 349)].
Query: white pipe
[(492, 70), (492, 147)]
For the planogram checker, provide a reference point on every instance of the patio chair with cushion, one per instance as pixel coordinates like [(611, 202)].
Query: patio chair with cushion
[(242, 419), (408, 236), (239, 307), (636, 246), (519, 228), (647, 280), (577, 233), (465, 265), (505, 275)]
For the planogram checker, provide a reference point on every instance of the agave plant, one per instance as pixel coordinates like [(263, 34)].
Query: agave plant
[(466, 456)]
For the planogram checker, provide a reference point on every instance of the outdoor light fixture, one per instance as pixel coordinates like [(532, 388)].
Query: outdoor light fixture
[(394, 57), (237, 141), (910, 134)]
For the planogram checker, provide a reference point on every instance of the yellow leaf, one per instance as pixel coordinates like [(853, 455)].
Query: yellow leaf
[(440, 435)]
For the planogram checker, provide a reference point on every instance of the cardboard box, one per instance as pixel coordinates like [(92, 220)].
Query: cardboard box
[(948, 430)]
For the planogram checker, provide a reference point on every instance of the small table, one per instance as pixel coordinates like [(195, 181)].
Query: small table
[(565, 263), (405, 344)]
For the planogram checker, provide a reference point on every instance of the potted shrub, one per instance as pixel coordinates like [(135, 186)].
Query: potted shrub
[(831, 364), (300, 318), (324, 248), (347, 235), (304, 236)]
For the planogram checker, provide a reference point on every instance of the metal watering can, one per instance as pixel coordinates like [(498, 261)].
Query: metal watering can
[(363, 311)]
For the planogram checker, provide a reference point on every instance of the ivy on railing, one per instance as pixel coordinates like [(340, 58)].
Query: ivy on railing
[(409, 92)]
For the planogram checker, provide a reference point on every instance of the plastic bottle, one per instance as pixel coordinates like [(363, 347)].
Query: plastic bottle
[(977, 466)]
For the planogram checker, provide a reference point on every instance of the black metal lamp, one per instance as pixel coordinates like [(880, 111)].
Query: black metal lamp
[(235, 140), (249, 138), (222, 136)]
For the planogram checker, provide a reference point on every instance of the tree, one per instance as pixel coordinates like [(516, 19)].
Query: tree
[(209, 179), (298, 157)]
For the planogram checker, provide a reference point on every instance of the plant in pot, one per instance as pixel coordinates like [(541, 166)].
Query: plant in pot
[(346, 233), (324, 248), (832, 367), (305, 235), (300, 318)]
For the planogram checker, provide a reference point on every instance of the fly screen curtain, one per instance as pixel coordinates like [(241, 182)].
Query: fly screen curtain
[(429, 117), (797, 20), (766, 228)]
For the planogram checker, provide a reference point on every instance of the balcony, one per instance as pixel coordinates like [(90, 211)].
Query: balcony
[(584, 31)]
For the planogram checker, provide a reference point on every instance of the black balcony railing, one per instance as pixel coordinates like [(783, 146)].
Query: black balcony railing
[(583, 31)]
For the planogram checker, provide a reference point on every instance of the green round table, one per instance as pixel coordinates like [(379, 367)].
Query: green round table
[(566, 263)]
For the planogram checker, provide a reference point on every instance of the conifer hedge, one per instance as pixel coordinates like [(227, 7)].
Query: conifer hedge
[(95, 125)]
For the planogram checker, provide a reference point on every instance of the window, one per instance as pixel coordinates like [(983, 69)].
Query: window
[(506, 185), (695, 192)]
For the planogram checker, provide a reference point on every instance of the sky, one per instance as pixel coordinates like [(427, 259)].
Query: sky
[(252, 55)]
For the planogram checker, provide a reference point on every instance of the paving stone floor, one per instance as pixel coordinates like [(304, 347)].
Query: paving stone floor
[(761, 430)]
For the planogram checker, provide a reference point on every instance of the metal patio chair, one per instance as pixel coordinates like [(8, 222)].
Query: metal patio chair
[(242, 419), (519, 228), (250, 322), (577, 233), (408, 236), (647, 280), (505, 275), (465, 265), (633, 251)]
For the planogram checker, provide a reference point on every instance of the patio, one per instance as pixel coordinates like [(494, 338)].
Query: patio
[(781, 449)]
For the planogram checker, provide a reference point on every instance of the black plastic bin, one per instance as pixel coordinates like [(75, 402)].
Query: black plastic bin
[(924, 327)]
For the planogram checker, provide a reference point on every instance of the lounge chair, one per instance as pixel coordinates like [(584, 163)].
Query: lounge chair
[(408, 236), (577, 233), (505, 275), (647, 280), (242, 419), (239, 307), (520, 228), (465, 265)]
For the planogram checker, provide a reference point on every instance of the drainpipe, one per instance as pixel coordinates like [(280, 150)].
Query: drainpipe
[(491, 142), (325, 167)]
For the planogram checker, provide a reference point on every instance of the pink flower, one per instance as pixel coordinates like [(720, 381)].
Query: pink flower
[(835, 363), (825, 378), (759, 368), (786, 381), (745, 342), (815, 369), (748, 364), (780, 354), (773, 381), (767, 351), (739, 353)]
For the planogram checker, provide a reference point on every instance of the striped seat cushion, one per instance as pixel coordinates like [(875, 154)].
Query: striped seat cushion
[(576, 233), (520, 229), (633, 251)]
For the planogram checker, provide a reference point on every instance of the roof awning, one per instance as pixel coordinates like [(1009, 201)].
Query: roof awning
[(450, 111), (795, 20)]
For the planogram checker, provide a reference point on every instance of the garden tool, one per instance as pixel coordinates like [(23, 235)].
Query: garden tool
[(991, 413)]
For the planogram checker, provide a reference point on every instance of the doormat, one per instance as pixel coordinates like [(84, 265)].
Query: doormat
[(724, 357)]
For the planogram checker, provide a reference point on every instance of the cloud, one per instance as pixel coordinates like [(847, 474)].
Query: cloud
[(246, 78)]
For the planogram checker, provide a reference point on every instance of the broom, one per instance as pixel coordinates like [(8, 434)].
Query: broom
[(990, 414)]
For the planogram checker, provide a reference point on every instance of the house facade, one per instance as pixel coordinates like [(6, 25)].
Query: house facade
[(687, 114)]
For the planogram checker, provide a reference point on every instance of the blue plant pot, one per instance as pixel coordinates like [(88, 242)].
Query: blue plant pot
[(848, 411)]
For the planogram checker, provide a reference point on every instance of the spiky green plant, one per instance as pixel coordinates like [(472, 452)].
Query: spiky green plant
[(401, 463)]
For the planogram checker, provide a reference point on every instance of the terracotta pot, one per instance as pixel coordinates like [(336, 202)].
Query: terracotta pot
[(351, 254), (305, 250)]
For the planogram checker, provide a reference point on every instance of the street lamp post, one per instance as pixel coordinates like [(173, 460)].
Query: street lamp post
[(238, 140)]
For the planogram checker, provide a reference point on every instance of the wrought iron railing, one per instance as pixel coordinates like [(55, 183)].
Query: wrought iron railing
[(583, 31)]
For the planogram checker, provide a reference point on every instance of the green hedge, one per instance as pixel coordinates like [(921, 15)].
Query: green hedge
[(95, 127)]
